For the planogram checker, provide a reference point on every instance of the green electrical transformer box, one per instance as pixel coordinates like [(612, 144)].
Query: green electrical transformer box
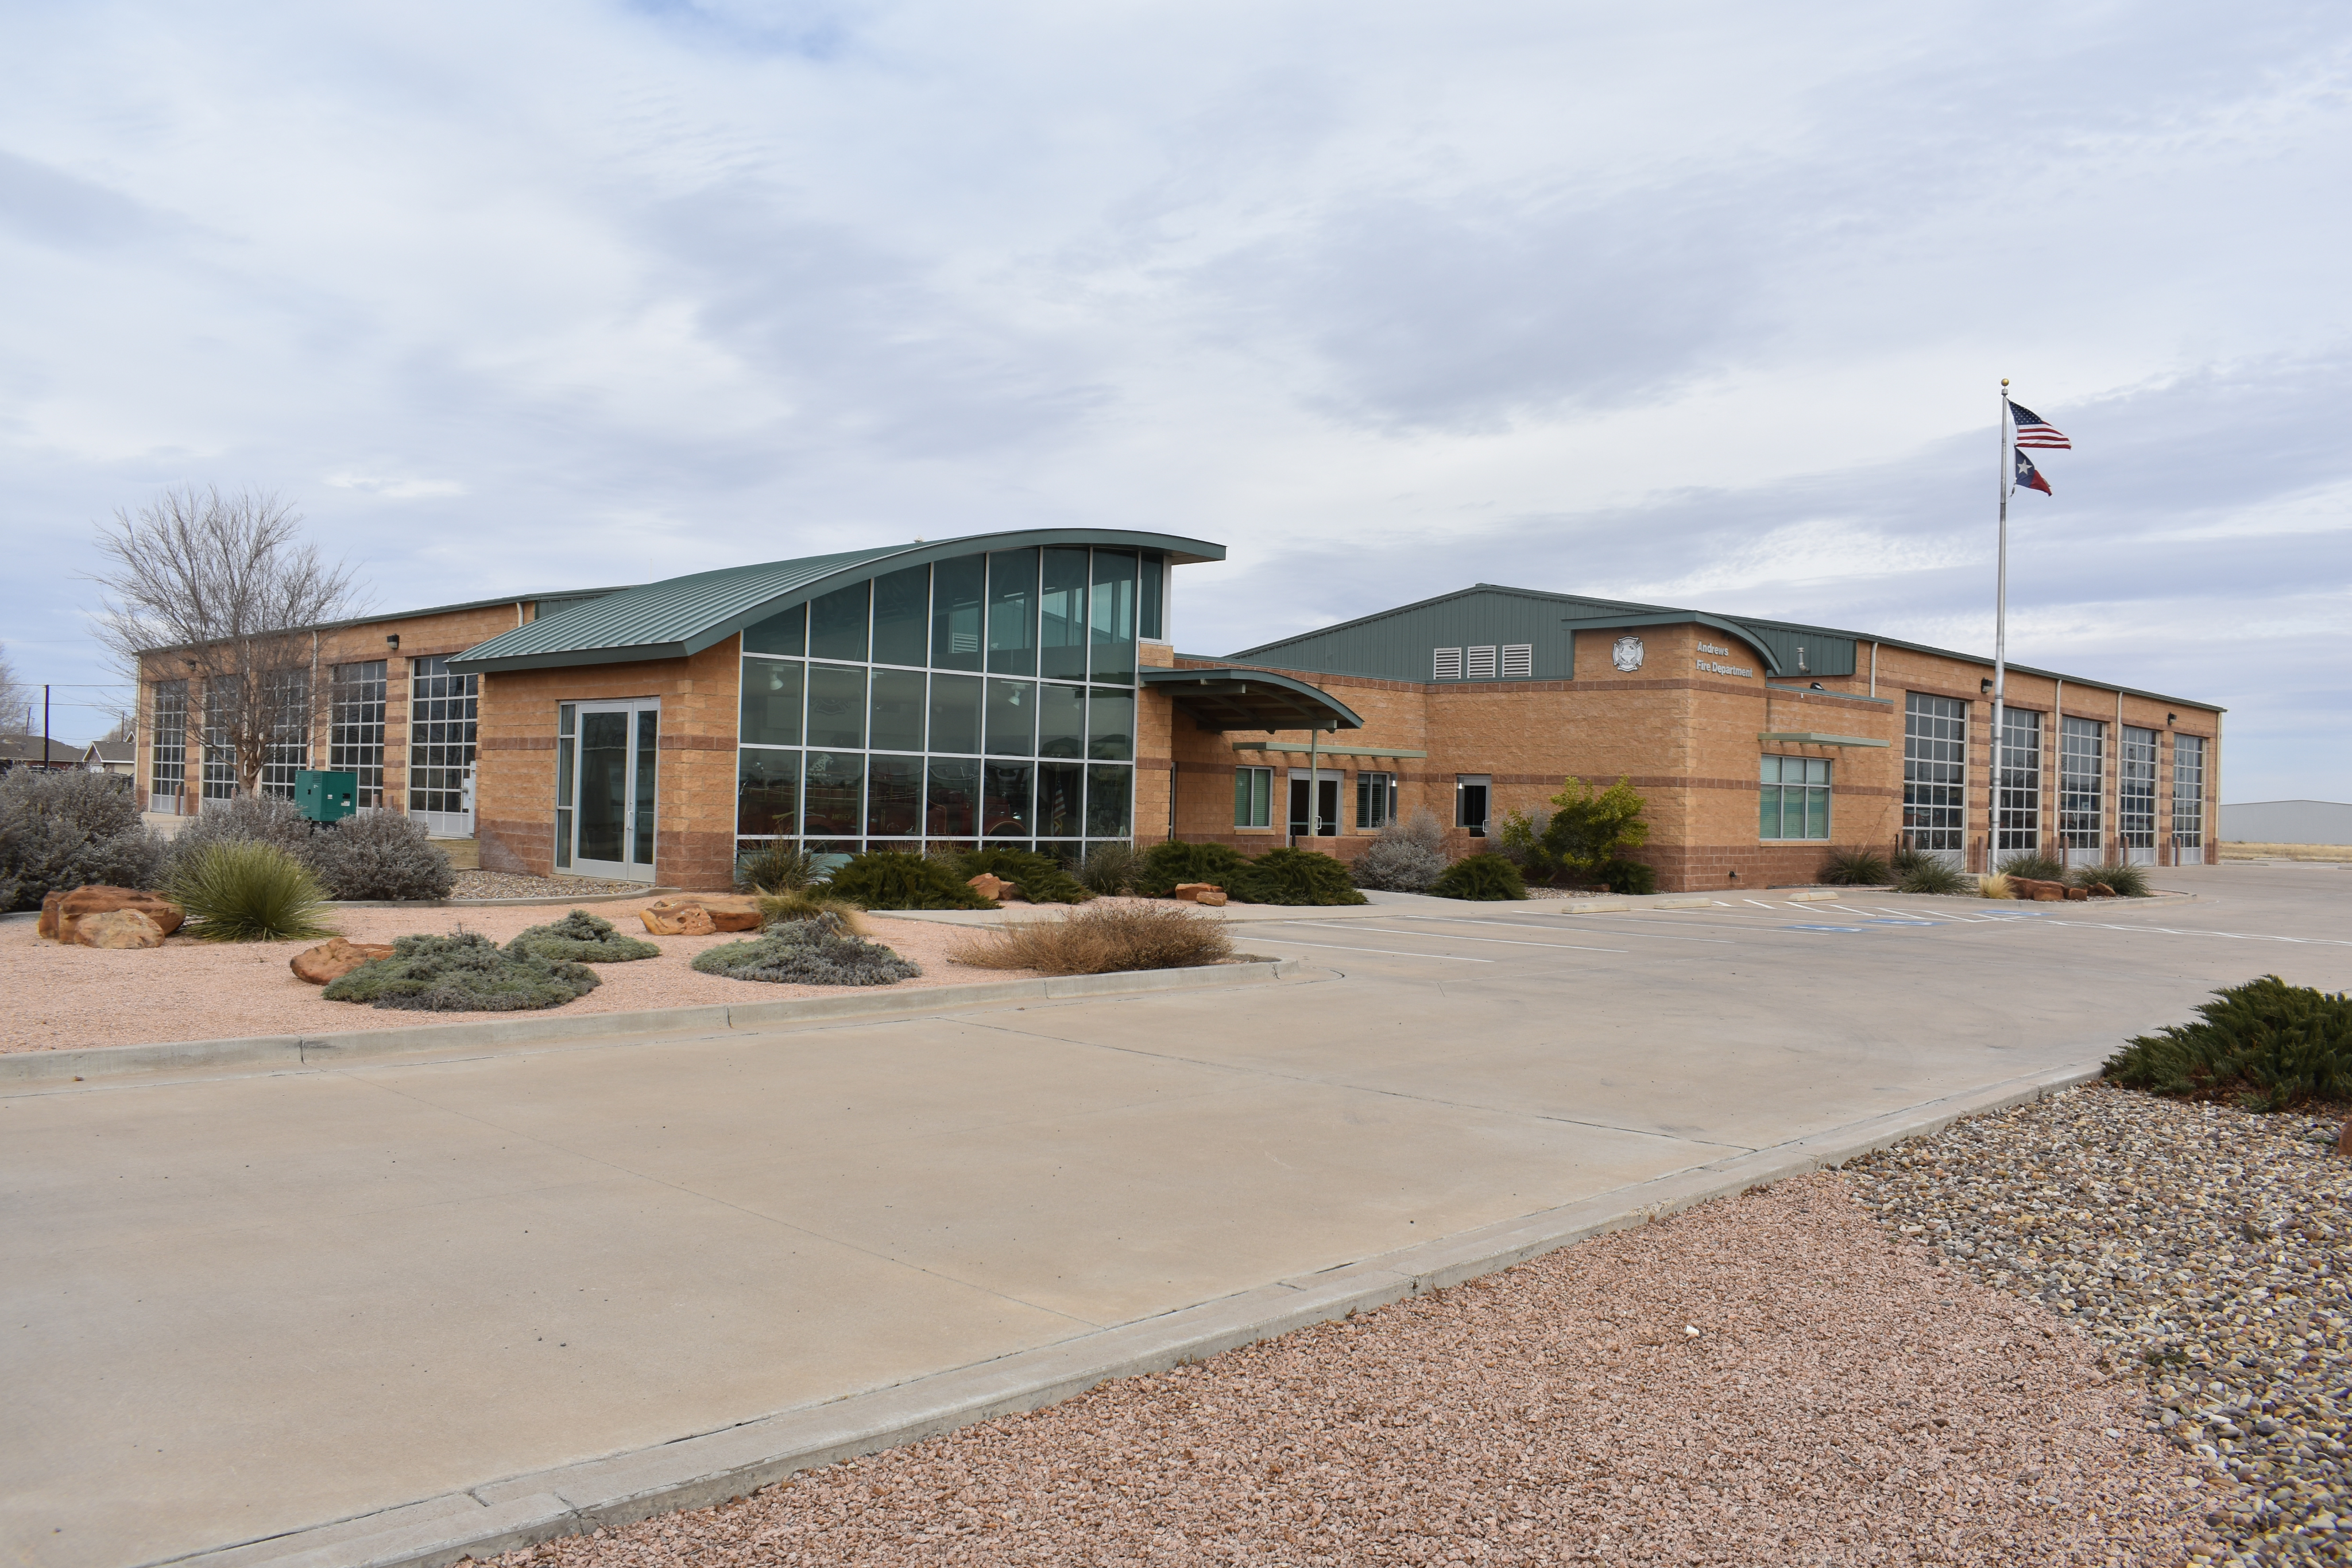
[(326, 796)]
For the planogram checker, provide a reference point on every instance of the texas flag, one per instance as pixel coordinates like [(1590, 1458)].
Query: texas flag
[(2028, 477)]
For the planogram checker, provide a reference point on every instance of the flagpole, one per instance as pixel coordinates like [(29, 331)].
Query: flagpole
[(2000, 628)]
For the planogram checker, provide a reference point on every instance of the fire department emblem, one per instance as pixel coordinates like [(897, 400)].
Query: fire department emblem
[(1626, 654)]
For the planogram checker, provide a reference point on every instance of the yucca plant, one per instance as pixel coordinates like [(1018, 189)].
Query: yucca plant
[(244, 889), (1109, 868), (1854, 868), (2033, 868), (1931, 875), (777, 867)]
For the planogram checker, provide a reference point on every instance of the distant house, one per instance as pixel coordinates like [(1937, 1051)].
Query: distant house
[(119, 758), (31, 751)]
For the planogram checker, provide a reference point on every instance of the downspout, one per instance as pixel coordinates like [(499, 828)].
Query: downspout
[(2121, 854), (311, 724), (2058, 762), (1873, 669)]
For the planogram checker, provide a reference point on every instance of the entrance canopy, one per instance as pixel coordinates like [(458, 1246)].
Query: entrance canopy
[(1229, 696)]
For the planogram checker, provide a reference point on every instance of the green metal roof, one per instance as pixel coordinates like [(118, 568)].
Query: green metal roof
[(684, 615), (1221, 699)]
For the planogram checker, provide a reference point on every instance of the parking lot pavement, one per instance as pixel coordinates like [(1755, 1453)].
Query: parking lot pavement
[(249, 1303)]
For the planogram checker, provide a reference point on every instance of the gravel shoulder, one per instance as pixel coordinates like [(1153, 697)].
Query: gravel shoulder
[(1772, 1378), (65, 998)]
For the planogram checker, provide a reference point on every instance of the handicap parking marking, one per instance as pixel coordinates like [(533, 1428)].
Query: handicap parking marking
[(1905, 920), (1849, 930)]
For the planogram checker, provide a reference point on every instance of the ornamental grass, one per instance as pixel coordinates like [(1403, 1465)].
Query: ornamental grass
[(1101, 939), (247, 890)]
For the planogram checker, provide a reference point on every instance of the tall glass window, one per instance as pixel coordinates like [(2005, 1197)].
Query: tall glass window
[(2135, 789), (443, 708), (220, 754), (355, 727), (985, 696), (2189, 793), (167, 776), (1794, 796), (2016, 805), (2082, 784), (1253, 797), (1375, 800), (1935, 771), (288, 693)]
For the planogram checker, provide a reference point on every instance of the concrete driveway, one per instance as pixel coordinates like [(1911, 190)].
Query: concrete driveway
[(241, 1304)]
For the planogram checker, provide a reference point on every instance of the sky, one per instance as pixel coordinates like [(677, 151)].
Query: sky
[(1696, 304)]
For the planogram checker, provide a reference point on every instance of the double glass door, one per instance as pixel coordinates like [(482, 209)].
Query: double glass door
[(1326, 820), (605, 772)]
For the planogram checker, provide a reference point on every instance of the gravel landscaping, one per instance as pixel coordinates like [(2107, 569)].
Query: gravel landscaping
[(2205, 1244), (514, 884), (1775, 1378)]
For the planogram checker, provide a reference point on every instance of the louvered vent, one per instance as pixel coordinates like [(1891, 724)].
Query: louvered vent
[(1481, 663), (1519, 661), (1448, 664)]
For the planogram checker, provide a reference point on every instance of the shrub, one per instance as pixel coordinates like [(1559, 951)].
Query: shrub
[(1294, 876), (1855, 868), (889, 879), (2266, 1044), (581, 937), (242, 890), (811, 903), (1174, 861), (1519, 840), (1408, 855), (1907, 860), (1590, 832), (775, 868), (1110, 868), (1995, 886), (2033, 868), (1486, 876), (465, 972), (1928, 874), (247, 818), (379, 856), (71, 830), (1101, 941), (813, 952), (1627, 876), (2126, 881), (1042, 879)]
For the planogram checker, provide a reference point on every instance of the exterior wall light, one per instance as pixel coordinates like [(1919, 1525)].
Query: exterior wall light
[(392, 641), (1983, 687), (2169, 718)]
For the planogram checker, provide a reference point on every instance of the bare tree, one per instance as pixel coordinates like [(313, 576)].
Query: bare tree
[(226, 590), (16, 697)]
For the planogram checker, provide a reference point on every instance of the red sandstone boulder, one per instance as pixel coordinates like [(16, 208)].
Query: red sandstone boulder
[(670, 918), (1212, 898), (118, 928), (1191, 891), (725, 911), (49, 902), (331, 960), (992, 886), (73, 906)]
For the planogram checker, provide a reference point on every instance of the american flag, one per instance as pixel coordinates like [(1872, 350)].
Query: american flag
[(2032, 430)]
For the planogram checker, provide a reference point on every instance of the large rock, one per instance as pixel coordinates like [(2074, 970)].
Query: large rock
[(118, 928), (1196, 891), (670, 918), (74, 906), (49, 902), (990, 885), (331, 960), (728, 911), (2028, 888)]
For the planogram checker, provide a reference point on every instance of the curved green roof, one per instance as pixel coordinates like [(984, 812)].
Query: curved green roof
[(684, 615)]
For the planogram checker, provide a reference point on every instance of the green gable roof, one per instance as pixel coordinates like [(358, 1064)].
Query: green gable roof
[(684, 615)]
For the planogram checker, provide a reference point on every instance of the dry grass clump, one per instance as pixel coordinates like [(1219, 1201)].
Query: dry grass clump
[(813, 904), (1996, 886), (1100, 940)]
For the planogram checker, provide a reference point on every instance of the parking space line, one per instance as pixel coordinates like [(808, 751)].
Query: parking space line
[(1530, 925), (1440, 937), (1391, 952)]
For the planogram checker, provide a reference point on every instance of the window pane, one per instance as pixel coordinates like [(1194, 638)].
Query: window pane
[(1817, 771), (1060, 721), (1817, 813), (1012, 612), (1005, 791), (1767, 811), (1112, 616), (1261, 797), (894, 794), (836, 705), (837, 623), (1770, 770), (1061, 803), (956, 593), (1109, 792), (897, 711), (603, 773), (1012, 719), (955, 713), (771, 703), (834, 794), (951, 808), (1062, 616), (648, 759), (768, 794), (902, 616), (785, 634), (1110, 725), (1148, 617)]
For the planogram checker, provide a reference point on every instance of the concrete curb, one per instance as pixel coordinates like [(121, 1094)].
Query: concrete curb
[(283, 1051), (648, 891), (694, 1472)]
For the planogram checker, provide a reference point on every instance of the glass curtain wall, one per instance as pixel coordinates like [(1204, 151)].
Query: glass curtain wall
[(2082, 787), (288, 693), (442, 709), (1935, 772), (167, 776), (2189, 795), (220, 756), (2135, 790), (982, 698), (2017, 803), (355, 728)]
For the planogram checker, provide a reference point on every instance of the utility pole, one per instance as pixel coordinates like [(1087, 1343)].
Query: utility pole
[(45, 728)]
